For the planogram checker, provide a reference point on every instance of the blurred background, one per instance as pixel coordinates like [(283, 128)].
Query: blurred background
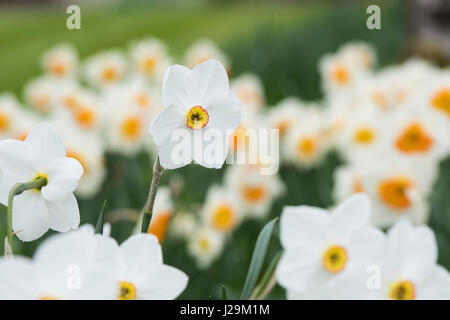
[(279, 41)]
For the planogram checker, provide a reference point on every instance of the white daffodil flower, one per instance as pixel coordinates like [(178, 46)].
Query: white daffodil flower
[(410, 270), (143, 274), (54, 206), (73, 265), (200, 109), (321, 248)]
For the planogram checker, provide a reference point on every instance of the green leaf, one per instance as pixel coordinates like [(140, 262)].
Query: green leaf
[(259, 253), (265, 280), (99, 226), (224, 293)]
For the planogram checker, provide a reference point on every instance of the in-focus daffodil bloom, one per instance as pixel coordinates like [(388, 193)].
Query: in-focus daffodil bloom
[(199, 104), (53, 206), (322, 248)]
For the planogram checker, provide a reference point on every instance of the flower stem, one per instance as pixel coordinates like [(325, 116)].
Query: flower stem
[(17, 189), (148, 208)]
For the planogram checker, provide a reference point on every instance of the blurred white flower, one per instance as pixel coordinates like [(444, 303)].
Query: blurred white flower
[(221, 210), (320, 249), (143, 274), (249, 89), (40, 93), (436, 96), (202, 50), (150, 58), (60, 61), (73, 265), (362, 54), (199, 102), (307, 143), (162, 213), (183, 224), (41, 155), (255, 192), (285, 115), (399, 188), (105, 68), (205, 245), (9, 115)]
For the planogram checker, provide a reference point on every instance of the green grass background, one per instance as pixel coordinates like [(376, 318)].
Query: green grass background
[(279, 41)]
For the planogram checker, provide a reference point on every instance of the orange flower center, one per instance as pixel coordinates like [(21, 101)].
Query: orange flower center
[(197, 118), (110, 74), (393, 192), (307, 147), (85, 117), (402, 290), (364, 135), (131, 128), (5, 122), (149, 65), (254, 194), (224, 218), (441, 101), (57, 68), (414, 139), (341, 75), (334, 259), (159, 224)]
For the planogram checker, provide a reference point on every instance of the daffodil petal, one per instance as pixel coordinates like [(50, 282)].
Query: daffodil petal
[(166, 122), (63, 214), (174, 86), (164, 283)]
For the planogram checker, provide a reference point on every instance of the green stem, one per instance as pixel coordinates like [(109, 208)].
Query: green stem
[(148, 208), (17, 189)]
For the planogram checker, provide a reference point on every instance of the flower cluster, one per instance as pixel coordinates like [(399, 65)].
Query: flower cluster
[(340, 256), (82, 265)]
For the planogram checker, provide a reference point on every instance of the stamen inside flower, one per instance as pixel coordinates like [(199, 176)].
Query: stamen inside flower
[(224, 218), (4, 122), (364, 135), (414, 139), (197, 118), (402, 290), (441, 101), (254, 194), (127, 291), (394, 192), (131, 128), (204, 244), (57, 68), (334, 259), (149, 64)]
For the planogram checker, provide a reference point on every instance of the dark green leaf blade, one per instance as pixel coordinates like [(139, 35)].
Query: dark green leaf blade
[(259, 253), (99, 226)]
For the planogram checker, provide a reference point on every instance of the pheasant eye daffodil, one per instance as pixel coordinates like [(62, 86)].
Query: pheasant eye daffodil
[(52, 205), (199, 108)]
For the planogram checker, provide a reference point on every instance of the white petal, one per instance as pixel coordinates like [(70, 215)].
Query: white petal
[(296, 268), (351, 215), (168, 155), (63, 214), (164, 283), (63, 177), (30, 215), (19, 279), (47, 144), (210, 147), (140, 253), (168, 120), (6, 184), (367, 245), (436, 286), (17, 160), (208, 83), (302, 226), (225, 114), (175, 85)]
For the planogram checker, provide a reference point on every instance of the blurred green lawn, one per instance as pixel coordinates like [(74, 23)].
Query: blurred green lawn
[(280, 42)]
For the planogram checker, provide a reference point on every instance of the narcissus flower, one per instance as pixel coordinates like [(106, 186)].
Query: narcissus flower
[(200, 109), (143, 274), (162, 213), (203, 50), (41, 155), (205, 245), (105, 68), (320, 247), (60, 61), (74, 265), (221, 210), (410, 270)]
